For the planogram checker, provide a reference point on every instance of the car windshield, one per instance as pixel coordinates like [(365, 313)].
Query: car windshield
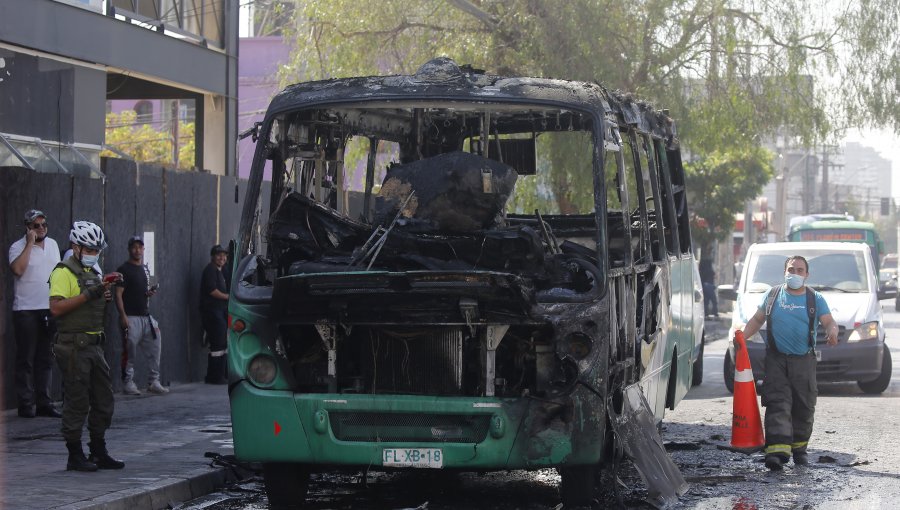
[(830, 271)]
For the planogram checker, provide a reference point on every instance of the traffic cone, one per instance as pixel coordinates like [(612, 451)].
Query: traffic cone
[(746, 425)]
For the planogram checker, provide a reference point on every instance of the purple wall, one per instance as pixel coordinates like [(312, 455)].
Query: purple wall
[(260, 58)]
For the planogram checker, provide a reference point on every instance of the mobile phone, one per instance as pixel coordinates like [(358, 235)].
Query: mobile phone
[(154, 287), (112, 277)]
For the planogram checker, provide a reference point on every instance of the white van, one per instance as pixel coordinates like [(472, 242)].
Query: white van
[(844, 274)]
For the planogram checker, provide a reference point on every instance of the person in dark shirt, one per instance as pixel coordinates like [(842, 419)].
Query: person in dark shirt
[(214, 315), (139, 328)]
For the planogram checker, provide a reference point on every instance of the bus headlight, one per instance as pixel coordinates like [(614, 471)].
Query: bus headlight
[(262, 370), (867, 331)]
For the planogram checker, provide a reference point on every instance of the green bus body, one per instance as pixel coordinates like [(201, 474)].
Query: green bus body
[(840, 230), (439, 333)]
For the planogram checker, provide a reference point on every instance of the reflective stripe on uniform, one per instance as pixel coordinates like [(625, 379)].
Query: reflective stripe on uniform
[(799, 444), (778, 448), (743, 376)]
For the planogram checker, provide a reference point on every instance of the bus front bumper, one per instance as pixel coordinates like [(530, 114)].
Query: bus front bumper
[(400, 431)]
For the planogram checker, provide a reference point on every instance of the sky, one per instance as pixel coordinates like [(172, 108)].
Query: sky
[(887, 144)]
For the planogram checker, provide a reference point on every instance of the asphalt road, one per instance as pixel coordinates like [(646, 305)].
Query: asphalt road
[(854, 461)]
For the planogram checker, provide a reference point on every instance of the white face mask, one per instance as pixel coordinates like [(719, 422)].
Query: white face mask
[(89, 260), (793, 281)]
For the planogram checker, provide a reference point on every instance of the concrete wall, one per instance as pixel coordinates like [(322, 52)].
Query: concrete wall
[(187, 212)]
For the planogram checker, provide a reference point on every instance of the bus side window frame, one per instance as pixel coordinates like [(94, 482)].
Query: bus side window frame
[(670, 222), (643, 248), (648, 174), (613, 148), (671, 159)]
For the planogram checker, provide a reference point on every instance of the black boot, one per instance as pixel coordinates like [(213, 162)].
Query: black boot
[(77, 461), (100, 456)]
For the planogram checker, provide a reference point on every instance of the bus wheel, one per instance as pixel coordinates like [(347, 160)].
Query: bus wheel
[(577, 485), (286, 484), (880, 383), (697, 369)]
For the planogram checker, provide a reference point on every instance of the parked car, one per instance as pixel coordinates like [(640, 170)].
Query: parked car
[(844, 273)]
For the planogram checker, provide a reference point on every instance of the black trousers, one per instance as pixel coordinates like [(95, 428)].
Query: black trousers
[(710, 301), (34, 360), (789, 394), (215, 324)]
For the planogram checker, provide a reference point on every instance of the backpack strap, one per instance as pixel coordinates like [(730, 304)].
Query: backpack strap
[(770, 304), (811, 310)]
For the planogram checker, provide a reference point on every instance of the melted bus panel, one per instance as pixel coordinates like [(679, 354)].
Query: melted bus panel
[(433, 295)]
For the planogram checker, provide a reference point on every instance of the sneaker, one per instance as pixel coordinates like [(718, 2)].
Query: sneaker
[(157, 388), (774, 462), (131, 389)]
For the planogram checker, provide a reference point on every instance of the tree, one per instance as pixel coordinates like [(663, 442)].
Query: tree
[(145, 144), (731, 73)]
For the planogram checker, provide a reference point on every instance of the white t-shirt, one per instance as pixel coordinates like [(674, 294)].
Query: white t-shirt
[(33, 287)]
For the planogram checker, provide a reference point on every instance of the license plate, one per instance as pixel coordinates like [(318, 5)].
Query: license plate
[(818, 355), (413, 457)]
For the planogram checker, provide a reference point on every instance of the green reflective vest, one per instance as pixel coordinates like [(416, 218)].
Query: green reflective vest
[(88, 317)]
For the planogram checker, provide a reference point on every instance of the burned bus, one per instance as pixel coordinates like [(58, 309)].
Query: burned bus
[(457, 271)]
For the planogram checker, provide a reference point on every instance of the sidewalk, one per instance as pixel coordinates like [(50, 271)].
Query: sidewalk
[(161, 439)]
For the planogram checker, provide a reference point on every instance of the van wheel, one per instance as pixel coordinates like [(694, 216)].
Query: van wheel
[(880, 383), (286, 484), (577, 485), (697, 371), (728, 372)]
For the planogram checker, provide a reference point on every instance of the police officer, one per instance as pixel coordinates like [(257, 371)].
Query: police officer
[(78, 299), (789, 390)]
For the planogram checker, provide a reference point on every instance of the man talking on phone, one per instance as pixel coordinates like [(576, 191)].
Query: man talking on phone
[(139, 328), (32, 258)]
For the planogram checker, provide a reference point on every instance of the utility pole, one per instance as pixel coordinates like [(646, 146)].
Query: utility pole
[(825, 178)]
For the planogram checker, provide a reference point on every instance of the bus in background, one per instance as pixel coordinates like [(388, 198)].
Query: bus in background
[(837, 227)]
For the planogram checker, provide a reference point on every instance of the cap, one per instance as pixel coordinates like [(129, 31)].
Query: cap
[(135, 239), (34, 214), (217, 249)]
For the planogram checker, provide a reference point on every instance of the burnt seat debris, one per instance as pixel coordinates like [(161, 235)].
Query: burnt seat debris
[(457, 192)]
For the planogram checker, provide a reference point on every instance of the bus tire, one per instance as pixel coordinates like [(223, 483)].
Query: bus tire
[(577, 485), (286, 484), (697, 369), (673, 380), (880, 383)]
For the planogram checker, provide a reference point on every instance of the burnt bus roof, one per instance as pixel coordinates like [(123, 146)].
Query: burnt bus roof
[(442, 79)]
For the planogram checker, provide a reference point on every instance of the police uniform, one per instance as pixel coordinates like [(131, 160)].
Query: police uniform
[(79, 352)]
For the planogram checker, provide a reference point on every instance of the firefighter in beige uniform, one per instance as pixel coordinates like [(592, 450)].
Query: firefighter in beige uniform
[(78, 300)]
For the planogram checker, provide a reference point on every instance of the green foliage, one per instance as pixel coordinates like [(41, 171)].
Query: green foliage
[(718, 187), (145, 144), (732, 74)]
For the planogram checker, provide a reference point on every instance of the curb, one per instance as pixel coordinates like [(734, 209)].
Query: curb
[(163, 494)]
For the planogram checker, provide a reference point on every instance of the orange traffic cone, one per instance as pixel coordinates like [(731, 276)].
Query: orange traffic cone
[(746, 425)]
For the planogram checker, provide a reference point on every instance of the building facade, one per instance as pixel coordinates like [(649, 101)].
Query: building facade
[(56, 79)]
